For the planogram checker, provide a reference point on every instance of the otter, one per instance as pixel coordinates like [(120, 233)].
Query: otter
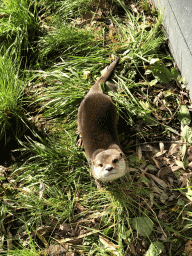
[(97, 126)]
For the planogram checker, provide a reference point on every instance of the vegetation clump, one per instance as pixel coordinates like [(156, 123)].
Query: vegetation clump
[(51, 54)]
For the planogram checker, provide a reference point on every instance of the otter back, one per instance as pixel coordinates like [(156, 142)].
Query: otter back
[(97, 122)]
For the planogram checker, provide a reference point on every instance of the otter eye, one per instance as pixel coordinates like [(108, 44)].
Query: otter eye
[(100, 165), (121, 154), (115, 161)]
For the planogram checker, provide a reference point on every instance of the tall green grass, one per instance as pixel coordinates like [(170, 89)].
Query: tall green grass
[(19, 28), (53, 180), (12, 88), (77, 49), (18, 17), (63, 10), (66, 41)]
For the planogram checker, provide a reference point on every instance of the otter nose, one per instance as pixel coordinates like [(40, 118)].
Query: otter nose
[(108, 168)]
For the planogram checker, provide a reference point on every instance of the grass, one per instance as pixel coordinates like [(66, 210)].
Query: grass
[(13, 119), (66, 39), (19, 28), (48, 195)]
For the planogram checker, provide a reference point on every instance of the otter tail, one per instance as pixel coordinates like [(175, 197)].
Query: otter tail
[(104, 78)]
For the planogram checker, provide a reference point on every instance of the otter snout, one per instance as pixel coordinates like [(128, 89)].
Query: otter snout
[(109, 168)]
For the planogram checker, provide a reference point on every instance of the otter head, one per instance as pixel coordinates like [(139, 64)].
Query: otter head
[(108, 165)]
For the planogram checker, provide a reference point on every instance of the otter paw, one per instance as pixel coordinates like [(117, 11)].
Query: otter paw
[(79, 141)]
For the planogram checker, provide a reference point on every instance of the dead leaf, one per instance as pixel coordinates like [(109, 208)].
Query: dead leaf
[(69, 254), (87, 16), (150, 148), (189, 158), (2, 173), (2, 228), (172, 197), (132, 248), (102, 4), (99, 12), (65, 227), (157, 180), (175, 147), (163, 195), (184, 178), (133, 169), (80, 207), (161, 146), (189, 150), (54, 250), (9, 238), (2, 170), (41, 237), (151, 199), (97, 215), (161, 215), (183, 150), (170, 181), (109, 245), (74, 239), (52, 221), (139, 152), (164, 171), (180, 164), (175, 168), (158, 163), (160, 153), (188, 248), (93, 217), (157, 98)]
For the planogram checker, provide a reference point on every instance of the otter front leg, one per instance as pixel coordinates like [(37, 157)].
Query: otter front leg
[(79, 140)]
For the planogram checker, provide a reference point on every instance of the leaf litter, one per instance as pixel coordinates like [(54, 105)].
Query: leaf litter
[(165, 166)]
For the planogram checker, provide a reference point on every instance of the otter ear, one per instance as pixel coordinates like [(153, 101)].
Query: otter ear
[(121, 154), (96, 152)]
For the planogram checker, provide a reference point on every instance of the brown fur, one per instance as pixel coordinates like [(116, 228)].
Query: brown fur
[(97, 120)]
